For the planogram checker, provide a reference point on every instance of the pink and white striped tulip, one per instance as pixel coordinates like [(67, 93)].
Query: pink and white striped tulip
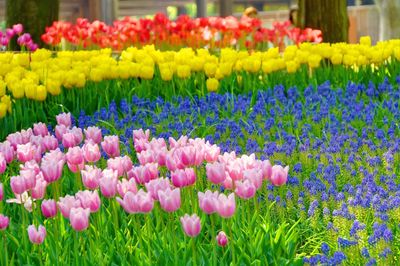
[(191, 225), (36, 236)]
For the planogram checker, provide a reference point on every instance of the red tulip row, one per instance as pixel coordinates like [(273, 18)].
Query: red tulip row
[(210, 32)]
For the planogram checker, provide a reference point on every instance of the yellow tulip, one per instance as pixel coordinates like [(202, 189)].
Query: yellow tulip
[(291, 66), (53, 87), (2, 88), (183, 71), (18, 91), (314, 60), (210, 69), (365, 40), (7, 101), (336, 59), (212, 84), (3, 110), (41, 93), (166, 73), (268, 66), (146, 72), (197, 64)]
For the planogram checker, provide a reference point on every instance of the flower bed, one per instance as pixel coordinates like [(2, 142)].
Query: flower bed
[(45, 84), (340, 203), (210, 32)]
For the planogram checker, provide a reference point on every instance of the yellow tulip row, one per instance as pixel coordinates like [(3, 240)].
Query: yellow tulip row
[(35, 75)]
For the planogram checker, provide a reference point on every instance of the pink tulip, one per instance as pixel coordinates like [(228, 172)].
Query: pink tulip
[(140, 144), (91, 177), (39, 190), (127, 163), (17, 184), (38, 142), (7, 150), (29, 177), (10, 33), (1, 192), (170, 200), (145, 173), (116, 164), (60, 130), (4, 222), (182, 141), (191, 225), (222, 239), (228, 183), (110, 146), (79, 218), (187, 155), (94, 134), (147, 156), (140, 134), (279, 175), (208, 201), (68, 140), (226, 206), (36, 236), (211, 154), (50, 143), (172, 162), (74, 156), (64, 119), (49, 208), (26, 152), (141, 202), (78, 135), (108, 183), (155, 185), (245, 189), (26, 135), (227, 157), (91, 152), (161, 156), (266, 169), (40, 129), (157, 144), (15, 139), (183, 177), (18, 28), (52, 169), (235, 170), (65, 204), (89, 199), (3, 163), (216, 172), (255, 176), (125, 185)]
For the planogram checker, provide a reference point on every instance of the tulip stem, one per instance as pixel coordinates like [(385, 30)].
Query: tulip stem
[(213, 239), (5, 248), (172, 230), (194, 251), (76, 248), (232, 241), (149, 234)]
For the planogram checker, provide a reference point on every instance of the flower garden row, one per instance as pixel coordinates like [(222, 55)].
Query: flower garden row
[(210, 32), (37, 86), (340, 203)]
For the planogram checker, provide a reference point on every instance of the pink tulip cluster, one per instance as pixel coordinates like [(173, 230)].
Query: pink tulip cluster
[(78, 208), (135, 188), (23, 39)]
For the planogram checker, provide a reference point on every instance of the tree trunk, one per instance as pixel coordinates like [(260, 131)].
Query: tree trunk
[(330, 16), (389, 22), (34, 15)]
